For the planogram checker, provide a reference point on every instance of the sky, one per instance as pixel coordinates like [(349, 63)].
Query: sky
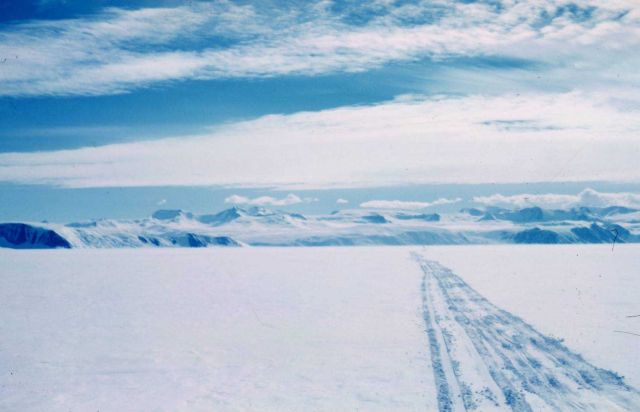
[(115, 108)]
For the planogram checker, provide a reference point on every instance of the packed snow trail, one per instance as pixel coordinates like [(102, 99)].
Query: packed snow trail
[(485, 358)]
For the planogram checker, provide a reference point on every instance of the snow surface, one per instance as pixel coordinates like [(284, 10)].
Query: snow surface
[(215, 329), (360, 328), (485, 358), (580, 293)]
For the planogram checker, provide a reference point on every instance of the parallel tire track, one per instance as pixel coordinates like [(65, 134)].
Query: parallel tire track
[(485, 358)]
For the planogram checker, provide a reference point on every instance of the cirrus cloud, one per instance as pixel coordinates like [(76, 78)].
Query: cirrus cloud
[(119, 50)]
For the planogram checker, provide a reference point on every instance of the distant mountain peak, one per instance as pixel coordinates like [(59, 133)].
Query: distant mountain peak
[(226, 216), (170, 214), (24, 236)]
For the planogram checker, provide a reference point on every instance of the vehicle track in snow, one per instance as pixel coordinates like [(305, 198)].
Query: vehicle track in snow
[(485, 358)]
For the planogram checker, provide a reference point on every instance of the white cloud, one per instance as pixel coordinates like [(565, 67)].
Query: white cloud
[(342, 201), (419, 140), (550, 200), (405, 205), (290, 199), (588, 197), (118, 50), (161, 202)]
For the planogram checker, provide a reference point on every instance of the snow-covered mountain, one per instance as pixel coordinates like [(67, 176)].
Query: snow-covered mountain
[(24, 236), (263, 227)]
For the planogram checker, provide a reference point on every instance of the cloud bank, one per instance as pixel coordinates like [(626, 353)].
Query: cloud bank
[(572, 137), (118, 50), (406, 205), (588, 198), (290, 199)]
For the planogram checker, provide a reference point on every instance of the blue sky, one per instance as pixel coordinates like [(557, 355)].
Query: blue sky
[(106, 106)]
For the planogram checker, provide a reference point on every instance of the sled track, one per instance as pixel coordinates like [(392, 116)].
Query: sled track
[(486, 359)]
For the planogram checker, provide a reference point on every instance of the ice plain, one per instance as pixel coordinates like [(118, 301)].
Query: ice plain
[(292, 328)]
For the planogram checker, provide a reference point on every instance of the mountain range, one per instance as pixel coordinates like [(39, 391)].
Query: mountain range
[(259, 226)]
